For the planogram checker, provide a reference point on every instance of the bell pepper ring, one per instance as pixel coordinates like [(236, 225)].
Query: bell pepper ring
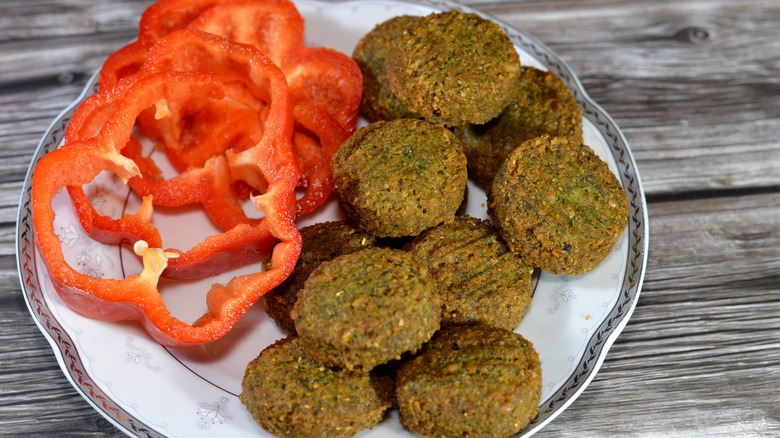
[(235, 63), (323, 76), (213, 183), (275, 27), (315, 76), (270, 162)]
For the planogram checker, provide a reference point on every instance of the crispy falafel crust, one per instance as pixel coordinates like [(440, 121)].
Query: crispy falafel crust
[(470, 380), (453, 68), (366, 308), (321, 242), (558, 205), (290, 395), (401, 177), (477, 276)]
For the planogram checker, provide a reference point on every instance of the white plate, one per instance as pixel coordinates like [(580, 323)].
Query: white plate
[(147, 390)]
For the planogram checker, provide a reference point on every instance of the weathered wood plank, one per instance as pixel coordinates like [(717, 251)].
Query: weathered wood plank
[(46, 40), (64, 57), (22, 20)]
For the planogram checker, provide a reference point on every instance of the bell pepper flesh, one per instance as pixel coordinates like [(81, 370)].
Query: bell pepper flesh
[(233, 137), (270, 164), (315, 75), (213, 183), (316, 139)]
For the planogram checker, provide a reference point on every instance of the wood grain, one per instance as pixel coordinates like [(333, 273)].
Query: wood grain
[(695, 86)]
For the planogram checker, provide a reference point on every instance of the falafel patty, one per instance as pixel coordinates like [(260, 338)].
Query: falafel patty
[(379, 103), (366, 308), (477, 276), (470, 380), (401, 177), (290, 395), (558, 205), (543, 105), (321, 242), (453, 68)]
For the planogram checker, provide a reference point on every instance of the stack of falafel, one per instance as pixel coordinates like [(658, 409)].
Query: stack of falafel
[(410, 302)]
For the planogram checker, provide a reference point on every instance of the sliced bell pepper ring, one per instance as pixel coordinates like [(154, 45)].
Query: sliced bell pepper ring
[(166, 16), (199, 51), (234, 63), (213, 184), (210, 186), (316, 76), (86, 122), (137, 296), (274, 27), (199, 184), (158, 20), (324, 83), (122, 63)]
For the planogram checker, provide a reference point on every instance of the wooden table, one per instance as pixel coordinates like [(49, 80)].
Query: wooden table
[(695, 87)]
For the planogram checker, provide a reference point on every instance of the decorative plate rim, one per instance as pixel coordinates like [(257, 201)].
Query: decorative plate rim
[(596, 348)]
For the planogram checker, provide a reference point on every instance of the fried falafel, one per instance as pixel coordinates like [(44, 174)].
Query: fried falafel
[(366, 308), (470, 380), (477, 276), (290, 395), (321, 242), (371, 52), (558, 205), (543, 105), (453, 68), (398, 178)]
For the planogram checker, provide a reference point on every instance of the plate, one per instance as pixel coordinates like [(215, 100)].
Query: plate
[(148, 390)]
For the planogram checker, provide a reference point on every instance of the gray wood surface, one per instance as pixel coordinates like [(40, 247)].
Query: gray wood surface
[(695, 87)]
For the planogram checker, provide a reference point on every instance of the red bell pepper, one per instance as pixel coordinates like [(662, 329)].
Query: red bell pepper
[(317, 137), (269, 167), (211, 183), (275, 27), (315, 76), (321, 81), (322, 76), (158, 20)]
